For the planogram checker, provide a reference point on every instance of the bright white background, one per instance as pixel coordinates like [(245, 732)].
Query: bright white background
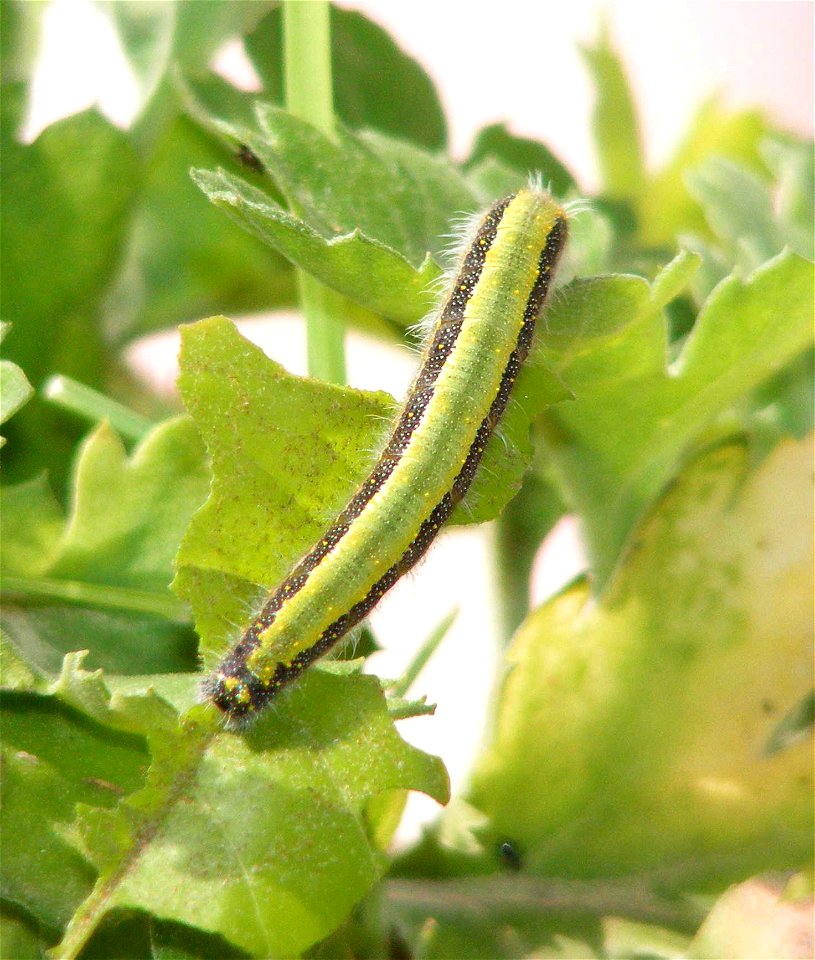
[(517, 61)]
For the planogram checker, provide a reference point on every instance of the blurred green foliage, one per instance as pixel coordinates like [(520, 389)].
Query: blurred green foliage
[(651, 740)]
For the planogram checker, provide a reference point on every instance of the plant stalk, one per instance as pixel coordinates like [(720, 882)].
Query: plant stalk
[(94, 406), (97, 595), (518, 533), (308, 86)]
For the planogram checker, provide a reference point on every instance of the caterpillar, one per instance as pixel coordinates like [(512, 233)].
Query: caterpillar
[(481, 334)]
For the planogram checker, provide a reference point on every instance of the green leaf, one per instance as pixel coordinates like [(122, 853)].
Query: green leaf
[(55, 757), (142, 935), (131, 642), (415, 192), (616, 129), (270, 821), (666, 209), (522, 154), (373, 212), (16, 674), (793, 165), (627, 938), (376, 84), (31, 522), (353, 264), (20, 937), (142, 502), (226, 113), (287, 455), (15, 390), (113, 558), (503, 918), (223, 269), (630, 731), (509, 452), (520, 916), (19, 40), (789, 397), (797, 724), (739, 209), (492, 178), (156, 37), (633, 418), (514, 914), (185, 260), (65, 201), (215, 105)]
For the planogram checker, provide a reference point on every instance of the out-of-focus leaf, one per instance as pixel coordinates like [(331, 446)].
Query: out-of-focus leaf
[(157, 36), (633, 418), (527, 156), (185, 259), (789, 397), (20, 939), (129, 642), (515, 915), (738, 207), (53, 758), (492, 178), (666, 209), (99, 580), (793, 165), (616, 129), (521, 529), (631, 732), (624, 939), (19, 39), (757, 919), (31, 522), (65, 202), (797, 724), (376, 84), (470, 927), (15, 389), (249, 836)]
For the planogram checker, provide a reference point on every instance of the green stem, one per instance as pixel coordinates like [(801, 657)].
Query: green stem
[(518, 534), (401, 686), (308, 84), (96, 595), (496, 899), (307, 59), (325, 332), (94, 406), (512, 569)]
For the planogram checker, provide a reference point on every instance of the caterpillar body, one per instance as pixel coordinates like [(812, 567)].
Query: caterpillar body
[(481, 335)]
